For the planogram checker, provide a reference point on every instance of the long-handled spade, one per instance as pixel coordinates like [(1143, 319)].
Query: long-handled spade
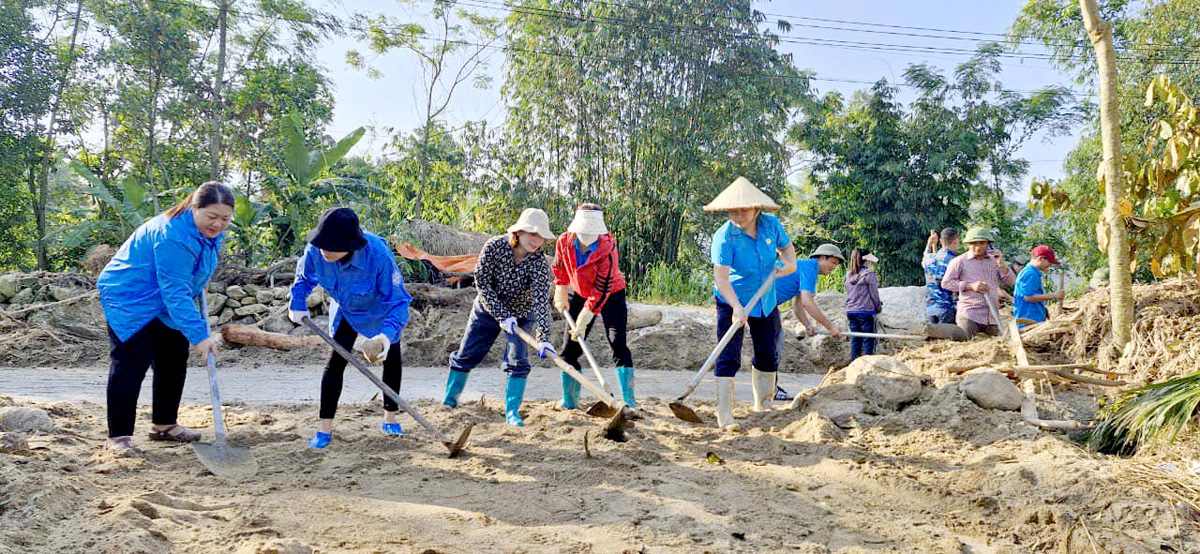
[(599, 409), (615, 428), (852, 334), (677, 407), (991, 304), (227, 462), (454, 447)]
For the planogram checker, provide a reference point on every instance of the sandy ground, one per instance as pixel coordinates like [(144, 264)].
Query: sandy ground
[(941, 476)]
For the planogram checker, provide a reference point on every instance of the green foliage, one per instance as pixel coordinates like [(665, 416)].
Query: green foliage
[(667, 284), (836, 280), (1143, 416)]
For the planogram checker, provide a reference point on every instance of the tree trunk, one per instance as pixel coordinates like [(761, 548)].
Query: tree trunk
[(1121, 286), (218, 103), (250, 335)]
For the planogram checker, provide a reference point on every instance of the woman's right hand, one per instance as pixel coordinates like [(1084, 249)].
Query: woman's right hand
[(739, 316), (206, 346)]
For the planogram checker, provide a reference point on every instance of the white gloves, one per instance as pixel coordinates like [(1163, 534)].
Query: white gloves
[(545, 349), (509, 325), (562, 298), (581, 324), (376, 348), (297, 317)]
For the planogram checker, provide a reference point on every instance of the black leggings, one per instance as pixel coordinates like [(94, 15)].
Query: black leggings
[(331, 381), (154, 345), (616, 323)]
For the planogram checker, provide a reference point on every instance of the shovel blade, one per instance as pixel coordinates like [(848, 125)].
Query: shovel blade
[(456, 447), (685, 413), (601, 409), (227, 462), (614, 430)]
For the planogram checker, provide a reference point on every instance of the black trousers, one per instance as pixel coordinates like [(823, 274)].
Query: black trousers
[(765, 332), (157, 346), (615, 314), (331, 381)]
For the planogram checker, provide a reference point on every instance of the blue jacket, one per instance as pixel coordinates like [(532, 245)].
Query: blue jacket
[(367, 290), (937, 299), (750, 261), (160, 272)]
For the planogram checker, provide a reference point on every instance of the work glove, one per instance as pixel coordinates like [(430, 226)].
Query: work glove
[(581, 324), (297, 317), (509, 325), (545, 349), (376, 348), (562, 297)]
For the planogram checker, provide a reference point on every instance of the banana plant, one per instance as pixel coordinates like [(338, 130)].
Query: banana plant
[(112, 217)]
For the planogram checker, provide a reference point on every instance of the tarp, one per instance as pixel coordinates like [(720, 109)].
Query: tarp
[(456, 268)]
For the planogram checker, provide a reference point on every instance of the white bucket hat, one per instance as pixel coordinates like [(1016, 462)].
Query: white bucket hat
[(871, 258), (741, 194), (533, 220), (588, 222)]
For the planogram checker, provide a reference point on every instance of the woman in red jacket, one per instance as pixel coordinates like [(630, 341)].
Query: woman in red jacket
[(588, 281)]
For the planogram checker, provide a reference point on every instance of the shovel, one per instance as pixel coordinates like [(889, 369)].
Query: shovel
[(677, 407), (852, 334), (227, 462), (598, 409), (615, 428), (455, 447), (995, 314)]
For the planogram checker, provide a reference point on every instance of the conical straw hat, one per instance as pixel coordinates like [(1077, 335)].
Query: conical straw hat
[(741, 194)]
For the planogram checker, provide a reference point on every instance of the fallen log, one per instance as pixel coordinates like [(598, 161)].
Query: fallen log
[(250, 335), (1064, 373)]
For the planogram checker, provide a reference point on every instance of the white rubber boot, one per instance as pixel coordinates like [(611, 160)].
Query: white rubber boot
[(763, 385), (725, 405)]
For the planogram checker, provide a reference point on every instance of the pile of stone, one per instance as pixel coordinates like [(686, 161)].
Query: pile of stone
[(250, 304), (20, 290)]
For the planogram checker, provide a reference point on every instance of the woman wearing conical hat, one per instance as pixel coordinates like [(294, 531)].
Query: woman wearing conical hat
[(746, 250)]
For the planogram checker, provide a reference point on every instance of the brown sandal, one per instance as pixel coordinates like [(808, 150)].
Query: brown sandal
[(122, 446), (175, 433)]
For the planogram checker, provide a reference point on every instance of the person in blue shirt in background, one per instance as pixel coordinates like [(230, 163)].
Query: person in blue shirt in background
[(149, 292), (359, 272), (744, 254), (802, 286), (1029, 297), (939, 303)]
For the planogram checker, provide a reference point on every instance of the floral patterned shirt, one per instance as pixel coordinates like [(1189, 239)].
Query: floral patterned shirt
[(511, 289)]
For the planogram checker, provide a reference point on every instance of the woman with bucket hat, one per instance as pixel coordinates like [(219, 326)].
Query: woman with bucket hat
[(149, 291), (745, 251), (862, 300), (513, 279), (359, 272), (974, 274), (587, 281)]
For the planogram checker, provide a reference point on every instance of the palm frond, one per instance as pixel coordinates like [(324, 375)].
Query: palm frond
[(1145, 415)]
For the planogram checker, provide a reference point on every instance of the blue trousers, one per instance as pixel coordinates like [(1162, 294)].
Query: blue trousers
[(481, 332), (861, 323), (765, 332)]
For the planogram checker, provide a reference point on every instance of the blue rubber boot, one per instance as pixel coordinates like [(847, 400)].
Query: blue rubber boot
[(320, 440), (454, 387), (570, 399), (625, 377), (514, 393)]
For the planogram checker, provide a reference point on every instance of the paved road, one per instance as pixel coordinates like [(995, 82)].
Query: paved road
[(270, 384)]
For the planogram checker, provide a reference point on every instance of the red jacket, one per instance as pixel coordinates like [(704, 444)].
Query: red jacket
[(597, 279)]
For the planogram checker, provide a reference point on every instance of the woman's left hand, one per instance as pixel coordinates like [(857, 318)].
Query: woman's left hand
[(205, 347)]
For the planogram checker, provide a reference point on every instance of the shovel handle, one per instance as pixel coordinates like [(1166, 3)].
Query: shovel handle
[(587, 352), (387, 391), (218, 412), (733, 329), (995, 313), (872, 335), (574, 373)]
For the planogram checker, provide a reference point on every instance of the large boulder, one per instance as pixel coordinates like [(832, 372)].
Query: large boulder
[(25, 420), (641, 316), (903, 309), (833, 305), (82, 318), (8, 286), (23, 296), (993, 390), (885, 380)]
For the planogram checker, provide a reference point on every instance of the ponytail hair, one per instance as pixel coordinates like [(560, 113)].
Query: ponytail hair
[(856, 261), (205, 195)]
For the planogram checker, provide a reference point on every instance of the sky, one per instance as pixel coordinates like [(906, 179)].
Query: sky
[(395, 100)]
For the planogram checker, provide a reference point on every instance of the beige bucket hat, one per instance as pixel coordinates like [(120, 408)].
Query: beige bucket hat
[(588, 222), (533, 220), (741, 194)]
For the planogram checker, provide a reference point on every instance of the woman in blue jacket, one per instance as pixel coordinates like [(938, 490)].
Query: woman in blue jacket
[(359, 272), (149, 292)]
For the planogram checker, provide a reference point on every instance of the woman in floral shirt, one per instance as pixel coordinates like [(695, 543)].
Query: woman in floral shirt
[(513, 278)]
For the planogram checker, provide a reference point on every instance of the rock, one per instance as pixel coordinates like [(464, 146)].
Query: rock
[(903, 309), (23, 296), (213, 320), (278, 324), (264, 297), (833, 305), (25, 419), (215, 287), (11, 443), (231, 303), (641, 317), (842, 413), (82, 318), (27, 281), (992, 389), (216, 301), (251, 310), (885, 380), (226, 316), (63, 293), (235, 292), (284, 546), (8, 286), (281, 293), (251, 290), (814, 427), (316, 298), (249, 300)]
